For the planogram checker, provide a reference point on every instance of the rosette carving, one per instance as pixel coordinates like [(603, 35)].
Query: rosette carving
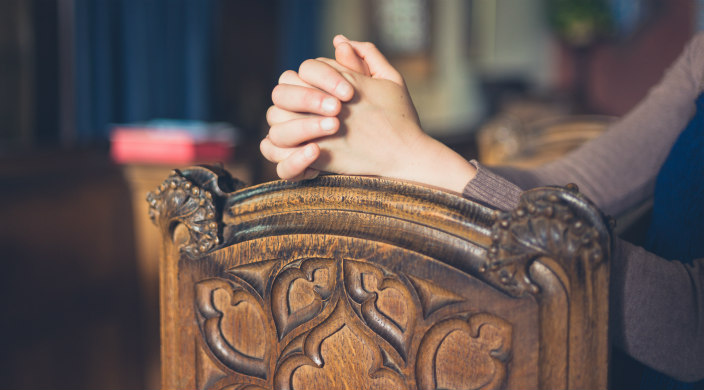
[(552, 222)]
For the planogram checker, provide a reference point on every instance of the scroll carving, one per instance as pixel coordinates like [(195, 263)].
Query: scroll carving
[(333, 320), (548, 222), (189, 199)]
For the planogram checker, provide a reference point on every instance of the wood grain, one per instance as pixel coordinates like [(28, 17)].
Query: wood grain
[(363, 283)]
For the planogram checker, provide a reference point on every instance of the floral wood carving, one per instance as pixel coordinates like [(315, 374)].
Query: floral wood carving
[(214, 315), (483, 341), (183, 200), (551, 222), (305, 318)]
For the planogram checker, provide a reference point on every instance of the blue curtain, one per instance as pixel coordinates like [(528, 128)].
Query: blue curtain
[(137, 60), (300, 29)]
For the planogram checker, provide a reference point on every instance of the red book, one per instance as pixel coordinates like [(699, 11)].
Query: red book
[(172, 142)]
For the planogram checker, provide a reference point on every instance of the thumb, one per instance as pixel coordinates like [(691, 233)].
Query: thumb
[(379, 67), (346, 56)]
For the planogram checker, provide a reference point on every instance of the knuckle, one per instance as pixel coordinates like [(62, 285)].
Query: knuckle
[(306, 66), (313, 127), (283, 172), (306, 129), (348, 77), (312, 99), (265, 149), (276, 93), (273, 135), (270, 115), (288, 76)]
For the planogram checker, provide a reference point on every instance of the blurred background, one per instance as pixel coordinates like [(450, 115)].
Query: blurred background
[(79, 286)]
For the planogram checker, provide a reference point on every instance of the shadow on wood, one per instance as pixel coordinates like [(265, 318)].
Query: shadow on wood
[(359, 283)]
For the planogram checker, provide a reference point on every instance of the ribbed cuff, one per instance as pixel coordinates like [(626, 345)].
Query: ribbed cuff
[(492, 189)]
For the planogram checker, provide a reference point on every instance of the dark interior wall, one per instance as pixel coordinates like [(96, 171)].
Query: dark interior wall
[(246, 52), (69, 289), (15, 78), (29, 73), (46, 71)]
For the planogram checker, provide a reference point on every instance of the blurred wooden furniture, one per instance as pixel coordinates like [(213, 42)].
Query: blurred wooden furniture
[(527, 142), (360, 283), (527, 136), (140, 179)]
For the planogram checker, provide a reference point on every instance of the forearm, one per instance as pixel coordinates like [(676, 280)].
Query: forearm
[(430, 162)]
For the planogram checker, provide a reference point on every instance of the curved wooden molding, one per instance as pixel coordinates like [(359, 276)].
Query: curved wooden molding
[(310, 282)]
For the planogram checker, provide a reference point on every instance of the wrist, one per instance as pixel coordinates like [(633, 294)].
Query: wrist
[(429, 161)]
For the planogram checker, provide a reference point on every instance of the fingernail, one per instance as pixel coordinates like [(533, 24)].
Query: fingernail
[(343, 37), (343, 90), (329, 104), (327, 124), (309, 151)]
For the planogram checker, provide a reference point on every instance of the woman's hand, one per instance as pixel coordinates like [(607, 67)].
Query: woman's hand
[(302, 113), (354, 116)]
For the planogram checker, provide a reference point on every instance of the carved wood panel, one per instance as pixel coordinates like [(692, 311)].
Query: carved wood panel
[(343, 323), (348, 282)]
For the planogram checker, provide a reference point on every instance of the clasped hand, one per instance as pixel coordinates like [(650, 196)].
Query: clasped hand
[(353, 115)]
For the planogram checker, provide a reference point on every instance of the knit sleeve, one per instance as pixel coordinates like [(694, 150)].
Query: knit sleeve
[(657, 311), (492, 189), (617, 170), (656, 305)]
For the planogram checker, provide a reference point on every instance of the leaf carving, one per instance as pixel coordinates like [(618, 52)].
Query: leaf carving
[(331, 309), (256, 274), (320, 277), (189, 201), (483, 342), (387, 305), (432, 297), (333, 340), (247, 359), (243, 386)]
